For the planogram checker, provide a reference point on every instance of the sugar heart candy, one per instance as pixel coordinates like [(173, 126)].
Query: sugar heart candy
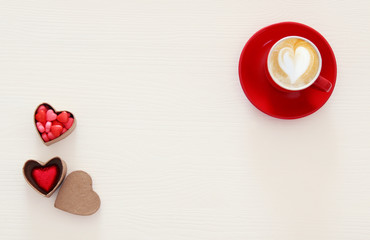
[(40, 127), (41, 116), (45, 176), (45, 137), (63, 117), (51, 136), (47, 126), (56, 130), (42, 108), (50, 115), (69, 124), (56, 122)]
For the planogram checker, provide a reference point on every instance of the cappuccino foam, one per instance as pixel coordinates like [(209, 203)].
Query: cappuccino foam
[(293, 63)]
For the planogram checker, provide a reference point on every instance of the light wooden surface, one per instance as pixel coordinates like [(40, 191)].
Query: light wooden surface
[(175, 149)]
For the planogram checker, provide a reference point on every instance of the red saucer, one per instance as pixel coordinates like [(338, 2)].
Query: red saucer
[(284, 105)]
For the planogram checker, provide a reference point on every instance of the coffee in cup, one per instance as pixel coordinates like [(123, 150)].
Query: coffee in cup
[(294, 63)]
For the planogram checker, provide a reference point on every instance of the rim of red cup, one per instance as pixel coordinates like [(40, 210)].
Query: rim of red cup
[(313, 79)]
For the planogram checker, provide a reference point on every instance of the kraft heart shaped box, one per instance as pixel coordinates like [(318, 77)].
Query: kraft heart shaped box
[(46, 177), (52, 125), (77, 196)]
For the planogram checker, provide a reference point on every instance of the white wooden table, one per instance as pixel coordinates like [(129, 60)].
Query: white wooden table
[(175, 149)]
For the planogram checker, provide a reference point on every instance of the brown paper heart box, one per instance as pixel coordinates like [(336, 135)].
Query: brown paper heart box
[(76, 195), (45, 178), (53, 126)]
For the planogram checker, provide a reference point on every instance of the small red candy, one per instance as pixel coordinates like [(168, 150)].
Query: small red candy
[(51, 136), (41, 116), (42, 108), (64, 130), (56, 130), (50, 115), (45, 177), (63, 117), (45, 137), (57, 123), (69, 124)]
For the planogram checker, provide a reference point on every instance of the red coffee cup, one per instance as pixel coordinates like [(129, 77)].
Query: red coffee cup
[(317, 81)]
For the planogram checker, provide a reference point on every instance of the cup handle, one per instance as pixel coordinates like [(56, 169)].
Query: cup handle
[(322, 84)]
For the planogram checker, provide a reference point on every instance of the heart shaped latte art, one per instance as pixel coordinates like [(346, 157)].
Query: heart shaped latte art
[(294, 62), (45, 178), (51, 125)]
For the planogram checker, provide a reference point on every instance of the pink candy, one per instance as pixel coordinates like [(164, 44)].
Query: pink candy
[(50, 115), (51, 136), (42, 108), (45, 137), (47, 126), (40, 127), (69, 124)]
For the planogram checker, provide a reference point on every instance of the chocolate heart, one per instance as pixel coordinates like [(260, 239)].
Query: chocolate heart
[(76, 196), (53, 126), (45, 178)]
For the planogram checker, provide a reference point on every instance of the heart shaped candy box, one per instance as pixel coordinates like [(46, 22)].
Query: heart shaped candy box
[(45, 178), (53, 126)]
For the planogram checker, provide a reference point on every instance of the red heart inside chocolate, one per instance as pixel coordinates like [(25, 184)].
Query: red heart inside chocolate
[(45, 177), (51, 125)]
